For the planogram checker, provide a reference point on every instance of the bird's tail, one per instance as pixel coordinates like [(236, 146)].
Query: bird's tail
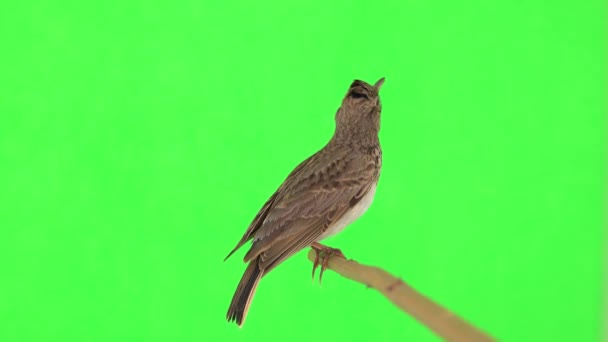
[(244, 293)]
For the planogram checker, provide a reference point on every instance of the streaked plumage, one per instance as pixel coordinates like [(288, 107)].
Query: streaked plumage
[(320, 197)]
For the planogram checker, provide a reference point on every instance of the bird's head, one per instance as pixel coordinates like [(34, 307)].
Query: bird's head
[(361, 107)]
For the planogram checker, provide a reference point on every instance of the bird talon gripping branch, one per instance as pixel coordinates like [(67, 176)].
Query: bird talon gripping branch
[(323, 253)]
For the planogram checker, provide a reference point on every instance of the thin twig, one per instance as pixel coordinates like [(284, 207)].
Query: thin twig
[(438, 319)]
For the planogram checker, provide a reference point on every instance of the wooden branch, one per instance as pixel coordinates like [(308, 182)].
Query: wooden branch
[(438, 319)]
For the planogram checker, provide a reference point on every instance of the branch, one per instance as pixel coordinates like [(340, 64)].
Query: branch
[(438, 319)]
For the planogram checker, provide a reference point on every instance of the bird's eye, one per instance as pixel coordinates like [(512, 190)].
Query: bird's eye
[(357, 95)]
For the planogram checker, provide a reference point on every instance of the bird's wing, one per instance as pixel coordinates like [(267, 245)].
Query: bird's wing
[(261, 215), (308, 205)]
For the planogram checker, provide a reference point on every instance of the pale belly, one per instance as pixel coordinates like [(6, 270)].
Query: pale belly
[(351, 215)]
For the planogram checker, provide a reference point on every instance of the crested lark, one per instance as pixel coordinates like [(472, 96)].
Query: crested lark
[(320, 197)]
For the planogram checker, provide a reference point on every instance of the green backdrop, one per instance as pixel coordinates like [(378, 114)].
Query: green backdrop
[(138, 139)]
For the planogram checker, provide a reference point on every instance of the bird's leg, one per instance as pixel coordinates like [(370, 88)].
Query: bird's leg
[(322, 257)]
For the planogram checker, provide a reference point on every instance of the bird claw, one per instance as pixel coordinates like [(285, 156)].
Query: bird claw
[(323, 253)]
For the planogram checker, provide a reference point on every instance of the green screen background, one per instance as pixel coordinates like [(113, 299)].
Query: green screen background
[(138, 140)]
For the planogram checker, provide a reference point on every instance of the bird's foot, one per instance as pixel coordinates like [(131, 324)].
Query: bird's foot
[(322, 258)]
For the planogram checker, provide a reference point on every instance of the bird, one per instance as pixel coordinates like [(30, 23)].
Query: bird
[(319, 198)]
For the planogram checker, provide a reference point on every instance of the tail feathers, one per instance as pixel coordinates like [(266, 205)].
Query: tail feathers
[(244, 293)]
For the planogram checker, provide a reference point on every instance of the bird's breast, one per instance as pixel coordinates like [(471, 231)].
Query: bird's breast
[(350, 216)]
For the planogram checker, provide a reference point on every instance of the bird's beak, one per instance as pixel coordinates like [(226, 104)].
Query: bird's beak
[(379, 84)]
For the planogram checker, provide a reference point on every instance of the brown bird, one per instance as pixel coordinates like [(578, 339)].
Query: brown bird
[(320, 197)]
